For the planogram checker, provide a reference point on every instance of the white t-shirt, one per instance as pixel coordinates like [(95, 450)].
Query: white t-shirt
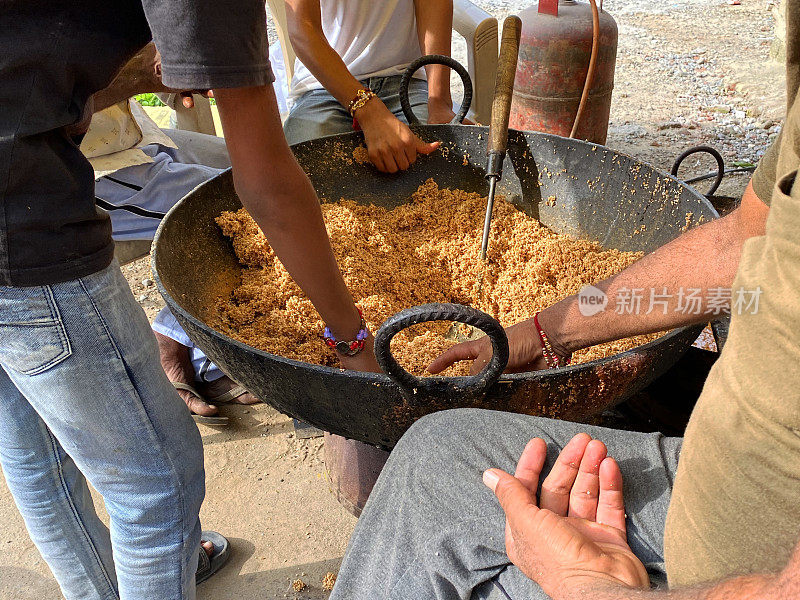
[(375, 38)]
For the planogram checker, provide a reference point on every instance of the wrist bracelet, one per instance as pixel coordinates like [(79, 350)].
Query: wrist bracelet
[(362, 97), (552, 359), (348, 348)]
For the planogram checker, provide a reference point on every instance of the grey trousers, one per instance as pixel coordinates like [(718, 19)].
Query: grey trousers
[(431, 529)]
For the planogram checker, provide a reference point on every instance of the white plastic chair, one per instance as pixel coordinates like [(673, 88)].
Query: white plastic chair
[(474, 24)]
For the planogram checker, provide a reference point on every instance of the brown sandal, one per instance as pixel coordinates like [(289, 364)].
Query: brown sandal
[(229, 396), (215, 420)]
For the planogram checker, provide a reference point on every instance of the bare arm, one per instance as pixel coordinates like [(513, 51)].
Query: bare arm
[(435, 32), (140, 75), (279, 196), (703, 258), (304, 24), (391, 144)]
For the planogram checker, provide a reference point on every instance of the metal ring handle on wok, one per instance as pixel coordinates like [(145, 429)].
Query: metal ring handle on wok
[(707, 150), (414, 387), (435, 59)]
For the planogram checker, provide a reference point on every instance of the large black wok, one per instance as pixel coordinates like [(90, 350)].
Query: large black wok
[(600, 195)]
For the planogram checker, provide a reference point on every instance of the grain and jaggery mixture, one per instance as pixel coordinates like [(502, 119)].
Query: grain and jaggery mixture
[(361, 155), (427, 250), (328, 581)]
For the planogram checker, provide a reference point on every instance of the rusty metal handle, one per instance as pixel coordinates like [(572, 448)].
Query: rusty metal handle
[(504, 85), (435, 59), (720, 328), (472, 385)]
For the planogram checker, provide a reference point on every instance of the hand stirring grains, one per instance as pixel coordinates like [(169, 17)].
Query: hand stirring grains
[(427, 250)]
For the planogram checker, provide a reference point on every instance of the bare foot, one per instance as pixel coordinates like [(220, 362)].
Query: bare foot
[(177, 364), (208, 547), (225, 384)]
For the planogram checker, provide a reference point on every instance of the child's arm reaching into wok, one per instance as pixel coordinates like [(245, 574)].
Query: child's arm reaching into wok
[(279, 196)]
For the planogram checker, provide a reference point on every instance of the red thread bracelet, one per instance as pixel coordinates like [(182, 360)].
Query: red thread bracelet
[(552, 359)]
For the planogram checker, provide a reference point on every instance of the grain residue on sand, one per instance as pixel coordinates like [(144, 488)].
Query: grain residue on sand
[(328, 581), (427, 250)]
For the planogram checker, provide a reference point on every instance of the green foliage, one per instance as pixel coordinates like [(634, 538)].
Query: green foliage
[(152, 100), (148, 100)]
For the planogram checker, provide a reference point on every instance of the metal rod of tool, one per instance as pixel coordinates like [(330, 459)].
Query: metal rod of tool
[(501, 109)]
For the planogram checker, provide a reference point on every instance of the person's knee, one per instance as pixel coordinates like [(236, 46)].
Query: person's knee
[(440, 424), (437, 463), (472, 439), (439, 433)]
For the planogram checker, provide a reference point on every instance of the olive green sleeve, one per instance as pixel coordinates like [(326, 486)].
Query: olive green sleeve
[(781, 158), (765, 174)]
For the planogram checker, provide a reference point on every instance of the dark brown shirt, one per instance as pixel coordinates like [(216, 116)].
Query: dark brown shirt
[(55, 55)]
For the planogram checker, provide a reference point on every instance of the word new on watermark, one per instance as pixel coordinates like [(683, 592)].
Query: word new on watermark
[(689, 301)]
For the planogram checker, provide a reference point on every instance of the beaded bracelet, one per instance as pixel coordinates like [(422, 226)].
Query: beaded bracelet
[(348, 348), (552, 359), (362, 97)]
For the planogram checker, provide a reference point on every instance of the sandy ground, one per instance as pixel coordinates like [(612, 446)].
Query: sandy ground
[(688, 72)]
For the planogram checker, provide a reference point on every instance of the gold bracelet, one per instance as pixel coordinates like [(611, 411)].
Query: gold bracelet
[(362, 97)]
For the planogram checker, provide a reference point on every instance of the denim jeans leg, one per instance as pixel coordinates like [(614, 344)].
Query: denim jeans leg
[(388, 90), (316, 114), (54, 501), (83, 355)]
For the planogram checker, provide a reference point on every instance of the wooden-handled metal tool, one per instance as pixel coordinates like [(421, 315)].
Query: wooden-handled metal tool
[(498, 141), (501, 109)]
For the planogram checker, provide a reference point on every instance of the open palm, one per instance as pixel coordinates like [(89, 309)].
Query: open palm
[(574, 537)]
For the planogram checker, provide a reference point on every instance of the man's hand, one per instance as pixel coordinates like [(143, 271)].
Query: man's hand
[(140, 75), (525, 351), (574, 538), (390, 143)]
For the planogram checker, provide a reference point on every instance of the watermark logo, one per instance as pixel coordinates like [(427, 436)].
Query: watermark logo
[(591, 300), (689, 301)]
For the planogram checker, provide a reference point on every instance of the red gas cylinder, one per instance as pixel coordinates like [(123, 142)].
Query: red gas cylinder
[(555, 48)]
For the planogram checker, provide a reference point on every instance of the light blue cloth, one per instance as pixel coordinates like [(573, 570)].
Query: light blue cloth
[(157, 187), (83, 397), (316, 113)]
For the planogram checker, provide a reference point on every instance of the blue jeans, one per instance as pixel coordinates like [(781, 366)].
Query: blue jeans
[(83, 397), (316, 113)]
